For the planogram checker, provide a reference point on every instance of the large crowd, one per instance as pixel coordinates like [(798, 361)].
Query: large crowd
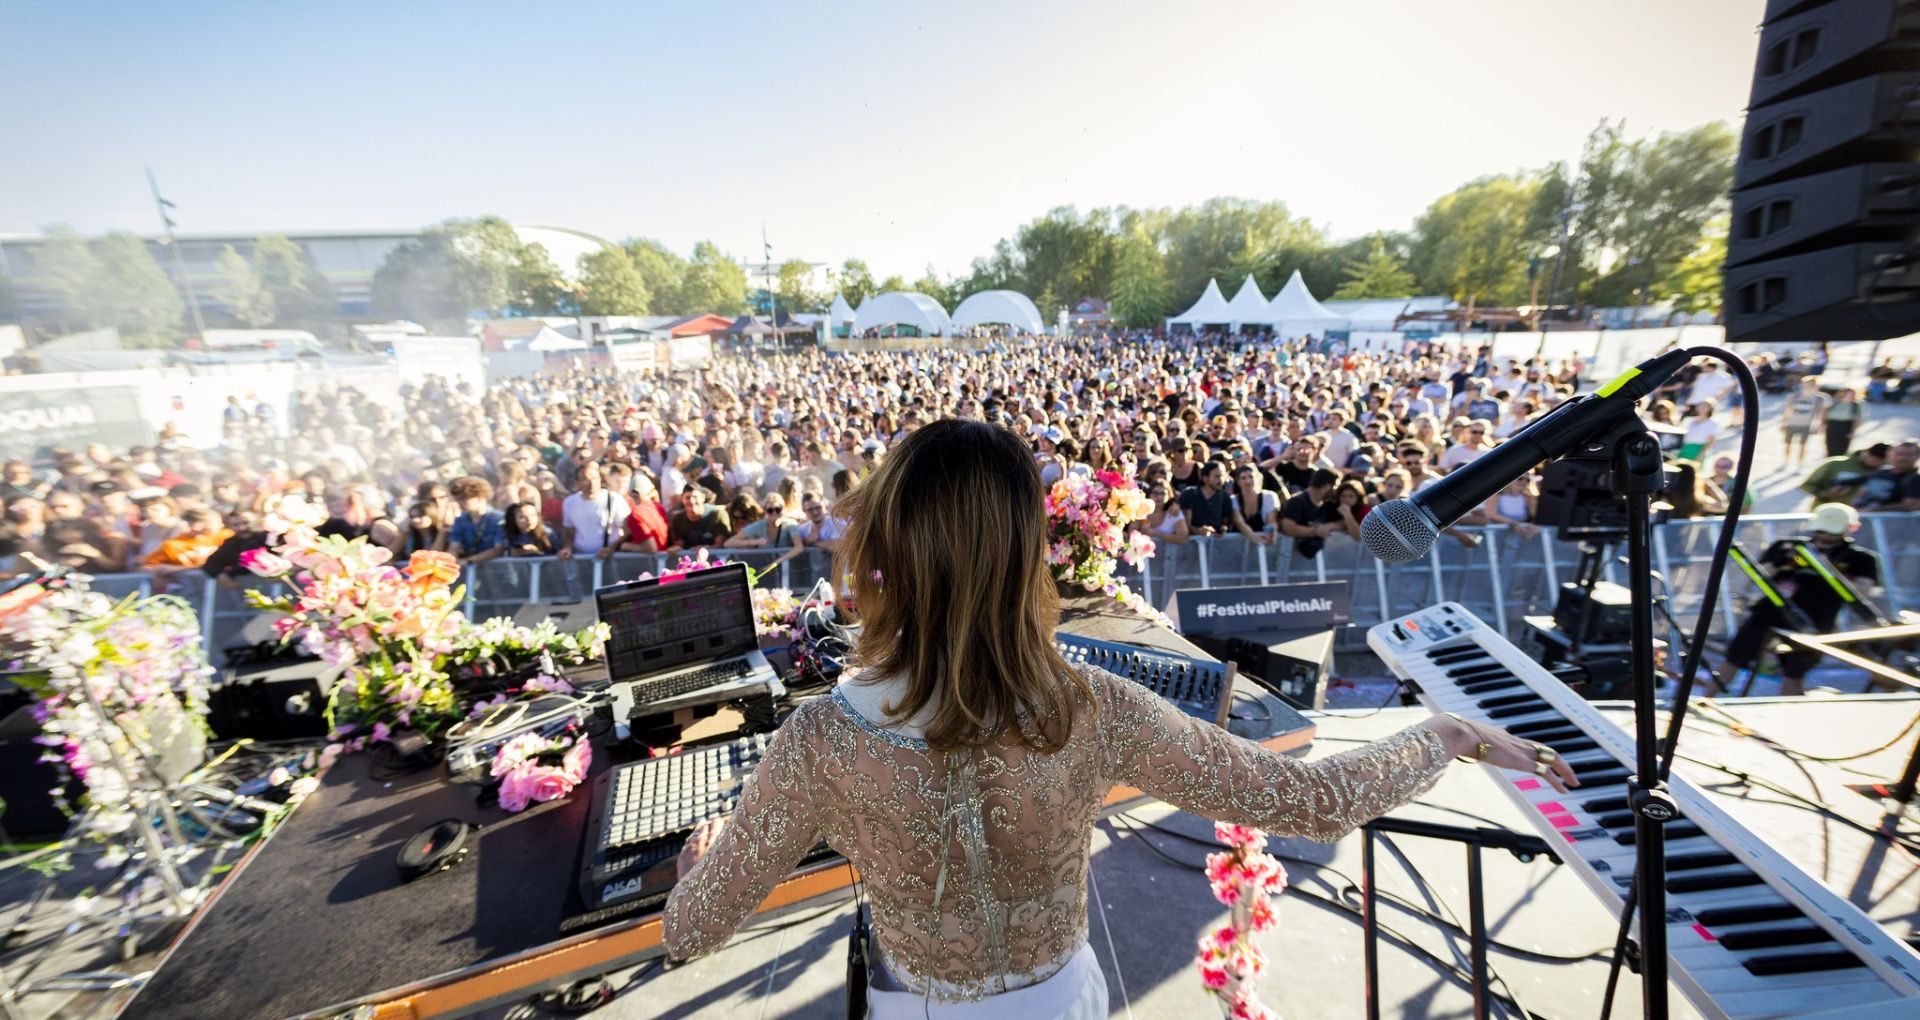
[(1258, 438)]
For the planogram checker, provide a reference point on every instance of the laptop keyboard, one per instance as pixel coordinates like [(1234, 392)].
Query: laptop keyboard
[(648, 691)]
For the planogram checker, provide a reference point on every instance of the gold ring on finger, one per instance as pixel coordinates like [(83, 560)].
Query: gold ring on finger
[(1543, 754), (1540, 768)]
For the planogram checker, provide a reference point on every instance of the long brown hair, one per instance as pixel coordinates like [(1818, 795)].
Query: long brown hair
[(945, 550)]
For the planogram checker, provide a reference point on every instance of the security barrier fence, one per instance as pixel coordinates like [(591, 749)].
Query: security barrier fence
[(1503, 577)]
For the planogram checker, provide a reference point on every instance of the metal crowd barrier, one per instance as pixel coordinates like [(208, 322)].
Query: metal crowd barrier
[(1503, 578)]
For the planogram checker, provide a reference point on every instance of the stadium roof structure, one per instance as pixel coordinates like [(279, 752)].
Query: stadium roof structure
[(905, 308), (1209, 310), (1000, 307), (1249, 306)]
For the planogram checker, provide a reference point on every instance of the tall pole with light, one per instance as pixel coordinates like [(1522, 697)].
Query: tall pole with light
[(161, 205)]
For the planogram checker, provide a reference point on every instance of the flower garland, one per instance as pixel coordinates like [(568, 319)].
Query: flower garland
[(1244, 879), (117, 681), (533, 769), (1088, 535)]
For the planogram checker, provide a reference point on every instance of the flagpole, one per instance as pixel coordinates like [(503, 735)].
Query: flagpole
[(161, 206)]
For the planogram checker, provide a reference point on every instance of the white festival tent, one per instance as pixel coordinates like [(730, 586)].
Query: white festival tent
[(903, 308), (1295, 312), (839, 313), (1210, 310), (999, 307), (1248, 307)]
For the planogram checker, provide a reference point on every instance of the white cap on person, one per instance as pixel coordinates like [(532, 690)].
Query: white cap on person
[(1834, 519)]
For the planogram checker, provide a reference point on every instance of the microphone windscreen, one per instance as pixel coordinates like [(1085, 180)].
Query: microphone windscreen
[(1398, 531)]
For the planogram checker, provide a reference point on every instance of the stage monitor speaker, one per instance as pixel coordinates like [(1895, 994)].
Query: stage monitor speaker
[(1826, 203), (1295, 665), (282, 701), (568, 616), (1601, 615)]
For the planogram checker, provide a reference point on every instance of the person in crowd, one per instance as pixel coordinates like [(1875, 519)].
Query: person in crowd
[(81, 544), (524, 533), (1721, 479), (17, 482), (364, 512), (1842, 419), (1182, 472), (432, 527), (1208, 505), (1515, 507), (820, 530), (1347, 507), (1896, 485), (479, 532), (1167, 522), (1830, 535), (1839, 479), (1255, 509), (159, 521), (758, 527), (1472, 445), (697, 523), (1702, 432), (1304, 517), (1803, 408), (201, 534), (957, 699), (593, 518), (646, 524)]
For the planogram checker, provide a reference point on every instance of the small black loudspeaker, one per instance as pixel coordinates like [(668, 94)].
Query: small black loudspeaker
[(283, 701), (1294, 665)]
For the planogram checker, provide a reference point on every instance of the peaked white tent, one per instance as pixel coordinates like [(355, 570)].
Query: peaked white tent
[(906, 308), (1249, 306), (1295, 312), (839, 313), (999, 307), (1210, 310)]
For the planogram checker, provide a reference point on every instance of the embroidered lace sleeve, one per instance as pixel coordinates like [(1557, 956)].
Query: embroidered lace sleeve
[(1198, 767), (773, 826)]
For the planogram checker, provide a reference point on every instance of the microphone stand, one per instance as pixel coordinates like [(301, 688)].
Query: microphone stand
[(1638, 474)]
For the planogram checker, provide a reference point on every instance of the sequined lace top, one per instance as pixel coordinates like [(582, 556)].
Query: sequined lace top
[(1013, 907)]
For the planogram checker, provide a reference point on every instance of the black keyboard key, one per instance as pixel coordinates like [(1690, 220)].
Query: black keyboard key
[(1511, 711), (1528, 698), (1675, 830), (1528, 729), (1567, 747), (1489, 686), (1768, 938), (1704, 859), (1801, 963), (1455, 656), (1557, 733), (1601, 805), (1713, 880), (1601, 777), (1475, 674), (1721, 917)]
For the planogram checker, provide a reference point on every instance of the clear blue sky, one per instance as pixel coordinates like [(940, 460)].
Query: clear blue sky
[(907, 133)]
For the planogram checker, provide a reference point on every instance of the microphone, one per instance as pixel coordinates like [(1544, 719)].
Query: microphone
[(1402, 530)]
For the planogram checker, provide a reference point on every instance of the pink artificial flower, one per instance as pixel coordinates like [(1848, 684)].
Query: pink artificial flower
[(545, 784), (1261, 916), (381, 734), (1228, 893), (579, 757), (1214, 978), (513, 792), (265, 563), (1225, 935)]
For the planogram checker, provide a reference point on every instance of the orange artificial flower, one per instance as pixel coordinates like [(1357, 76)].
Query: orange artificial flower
[(427, 567)]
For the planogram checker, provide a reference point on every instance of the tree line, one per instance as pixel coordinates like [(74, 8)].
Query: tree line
[(1635, 220)]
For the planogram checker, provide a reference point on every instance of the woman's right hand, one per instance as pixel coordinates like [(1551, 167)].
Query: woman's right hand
[(1506, 751)]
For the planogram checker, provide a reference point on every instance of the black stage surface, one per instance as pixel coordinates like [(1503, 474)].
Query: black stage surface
[(317, 915)]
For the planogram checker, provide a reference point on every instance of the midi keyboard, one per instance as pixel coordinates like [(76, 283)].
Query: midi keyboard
[(1749, 934)]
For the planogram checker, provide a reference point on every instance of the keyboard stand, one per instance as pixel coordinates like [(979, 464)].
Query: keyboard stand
[(1522, 846)]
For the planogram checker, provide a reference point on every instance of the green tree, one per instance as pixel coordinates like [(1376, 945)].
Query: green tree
[(611, 284), (1670, 188), (662, 271), (930, 284), (1139, 293), (891, 284), (793, 289), (452, 270), (67, 269), (535, 283), (1471, 244), (302, 295), (713, 283), (1064, 256), (1381, 274), (855, 281), (132, 294), (1695, 284), (240, 288)]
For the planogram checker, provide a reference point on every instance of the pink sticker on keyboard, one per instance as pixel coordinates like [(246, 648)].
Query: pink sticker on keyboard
[(1571, 838), (1551, 807), (1563, 822), (1526, 784), (1704, 933)]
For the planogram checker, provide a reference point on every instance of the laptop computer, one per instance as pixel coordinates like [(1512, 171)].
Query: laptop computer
[(682, 640)]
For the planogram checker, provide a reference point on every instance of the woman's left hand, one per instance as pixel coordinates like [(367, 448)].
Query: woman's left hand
[(701, 840)]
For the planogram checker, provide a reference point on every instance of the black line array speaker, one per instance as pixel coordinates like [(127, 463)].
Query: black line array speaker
[(1826, 201)]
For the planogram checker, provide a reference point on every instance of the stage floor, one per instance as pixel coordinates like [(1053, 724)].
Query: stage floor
[(1154, 909)]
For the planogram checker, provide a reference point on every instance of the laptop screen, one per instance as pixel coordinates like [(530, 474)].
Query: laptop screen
[(656, 625)]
